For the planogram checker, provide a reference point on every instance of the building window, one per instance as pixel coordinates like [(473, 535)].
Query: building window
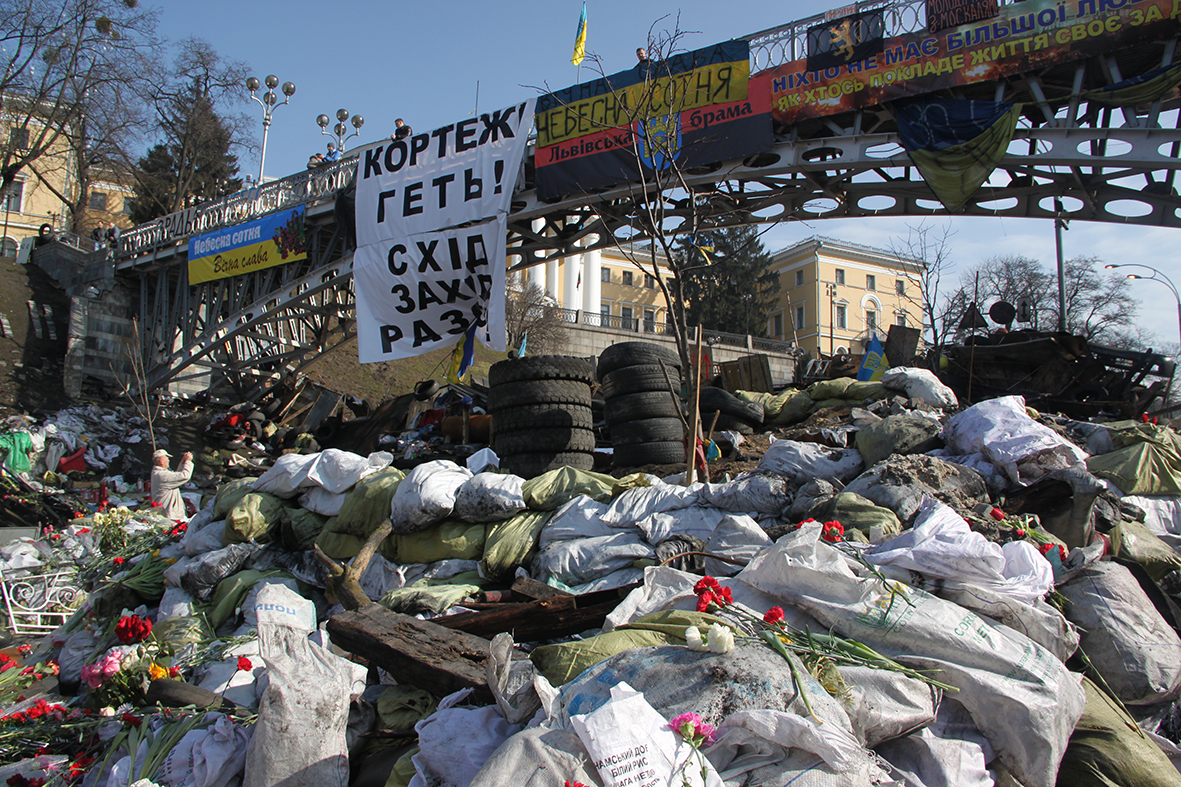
[(625, 318), (842, 317), (605, 274), (777, 325), (11, 200), (900, 319), (840, 275), (871, 281), (128, 205), (650, 320), (900, 286), (8, 247), (649, 282), (97, 201), (605, 309), (799, 326), (18, 138), (871, 321), (799, 278), (627, 278)]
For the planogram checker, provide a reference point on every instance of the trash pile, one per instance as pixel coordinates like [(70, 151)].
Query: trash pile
[(902, 592)]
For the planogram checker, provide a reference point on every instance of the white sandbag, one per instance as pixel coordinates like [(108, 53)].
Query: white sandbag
[(921, 385), (756, 492), (243, 687), (175, 603), (173, 573), (634, 504), (992, 475), (883, 704), (208, 539), (616, 579), (299, 739), (426, 495), (581, 560), (454, 743), (737, 537), (1162, 513), (321, 501), (489, 497), (1003, 432), (219, 757), (698, 521), (287, 476), (200, 519), (949, 753), (579, 517), (1019, 695), (532, 757), (803, 462), (1130, 644), (250, 602), (941, 544), (338, 471), (631, 744)]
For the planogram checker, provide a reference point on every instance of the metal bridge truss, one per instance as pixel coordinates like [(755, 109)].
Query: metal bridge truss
[(1105, 164)]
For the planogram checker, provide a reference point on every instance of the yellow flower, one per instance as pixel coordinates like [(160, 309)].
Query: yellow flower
[(169, 561), (155, 671)]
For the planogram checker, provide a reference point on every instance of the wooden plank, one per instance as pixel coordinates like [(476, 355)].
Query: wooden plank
[(547, 618), (527, 587), (419, 652)]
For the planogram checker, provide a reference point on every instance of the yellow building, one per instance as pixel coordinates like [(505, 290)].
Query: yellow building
[(628, 293), (29, 201), (834, 295)]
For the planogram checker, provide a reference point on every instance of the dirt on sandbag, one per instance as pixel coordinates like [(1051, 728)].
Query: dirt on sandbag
[(900, 483)]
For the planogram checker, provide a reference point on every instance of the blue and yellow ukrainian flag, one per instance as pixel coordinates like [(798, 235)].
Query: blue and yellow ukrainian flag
[(580, 39)]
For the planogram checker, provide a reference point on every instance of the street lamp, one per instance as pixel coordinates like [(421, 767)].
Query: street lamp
[(340, 129), (269, 102), (1156, 276)]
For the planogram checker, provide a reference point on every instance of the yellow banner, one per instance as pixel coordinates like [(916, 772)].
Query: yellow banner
[(275, 239)]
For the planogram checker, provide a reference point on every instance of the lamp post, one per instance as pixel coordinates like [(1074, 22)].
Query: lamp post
[(1156, 276), (340, 129), (269, 102), (830, 289)]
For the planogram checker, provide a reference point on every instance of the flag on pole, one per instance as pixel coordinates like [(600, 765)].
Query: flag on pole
[(462, 356), (580, 39)]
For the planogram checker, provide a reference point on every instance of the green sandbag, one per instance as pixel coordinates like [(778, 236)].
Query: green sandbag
[(794, 410), (860, 390), (176, 633), (448, 540), (856, 512), (897, 434), (433, 596), (401, 707), (1147, 461), (254, 518), (404, 770), (1107, 750), (299, 528), (512, 543), (367, 504), (824, 404), (565, 661), (1134, 541), (829, 389), (550, 491), (228, 496), (339, 546), (230, 592)]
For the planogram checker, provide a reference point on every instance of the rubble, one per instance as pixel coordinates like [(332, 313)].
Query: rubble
[(888, 589)]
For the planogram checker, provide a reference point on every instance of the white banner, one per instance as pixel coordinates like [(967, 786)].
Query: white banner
[(450, 176), (422, 292), (420, 285)]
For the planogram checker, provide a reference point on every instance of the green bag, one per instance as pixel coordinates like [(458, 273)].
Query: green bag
[(339, 546), (550, 491), (1134, 541), (512, 543), (448, 540), (299, 528), (829, 389), (401, 707), (254, 518), (228, 496), (367, 504)]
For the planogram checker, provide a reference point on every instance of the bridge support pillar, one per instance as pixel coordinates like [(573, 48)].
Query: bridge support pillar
[(572, 282)]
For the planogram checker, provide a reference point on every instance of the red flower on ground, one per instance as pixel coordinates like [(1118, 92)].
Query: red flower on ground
[(997, 514), (131, 719), (244, 664), (573, 784), (132, 629), (833, 532), (79, 765), (174, 672), (1020, 533), (119, 561), (1045, 548), (704, 599), (773, 615), (706, 583), (24, 650)]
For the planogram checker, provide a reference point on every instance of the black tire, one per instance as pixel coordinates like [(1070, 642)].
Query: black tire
[(711, 400), (531, 465), (531, 441), (727, 423), (542, 416), (641, 406), (638, 379), (541, 367), (624, 354), (648, 430), (530, 392), (665, 453)]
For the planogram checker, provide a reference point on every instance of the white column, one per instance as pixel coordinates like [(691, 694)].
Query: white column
[(552, 286), (592, 280), (536, 274), (572, 284)]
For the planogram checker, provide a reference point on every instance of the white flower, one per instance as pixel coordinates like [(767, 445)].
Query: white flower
[(693, 639), (721, 638)]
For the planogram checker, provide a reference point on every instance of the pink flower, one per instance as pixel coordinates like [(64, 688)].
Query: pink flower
[(690, 727), (92, 675)]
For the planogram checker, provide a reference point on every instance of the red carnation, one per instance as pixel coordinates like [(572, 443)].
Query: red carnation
[(704, 599), (833, 532), (120, 561), (773, 615), (131, 719), (244, 664), (132, 629), (706, 583)]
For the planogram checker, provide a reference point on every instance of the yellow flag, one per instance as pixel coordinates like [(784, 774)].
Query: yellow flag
[(580, 39)]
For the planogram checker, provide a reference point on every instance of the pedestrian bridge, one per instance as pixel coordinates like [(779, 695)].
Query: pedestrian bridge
[(1099, 162)]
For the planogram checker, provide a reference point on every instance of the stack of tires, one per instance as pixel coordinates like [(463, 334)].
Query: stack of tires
[(541, 413), (642, 415), (735, 414)]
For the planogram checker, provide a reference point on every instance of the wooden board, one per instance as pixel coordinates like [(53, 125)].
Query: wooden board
[(546, 618), (749, 373)]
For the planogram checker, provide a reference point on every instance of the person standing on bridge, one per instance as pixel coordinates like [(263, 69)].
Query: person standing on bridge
[(401, 130), (166, 483), (112, 235)]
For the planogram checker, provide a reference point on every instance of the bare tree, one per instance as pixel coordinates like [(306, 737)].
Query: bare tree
[(929, 249), (529, 311)]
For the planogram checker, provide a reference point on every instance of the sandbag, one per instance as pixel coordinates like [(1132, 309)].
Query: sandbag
[(551, 490), (802, 462), (883, 704), (901, 482), (229, 494), (897, 434), (287, 476), (426, 495), (299, 739), (453, 744), (322, 501), (579, 517), (855, 512), (1135, 542), (337, 471), (339, 546), (1147, 461), (533, 757), (920, 385), (634, 504), (829, 389), (758, 492), (1019, 695), (299, 528), (367, 505), (401, 707), (511, 544), (206, 539), (255, 518), (489, 497), (860, 390), (443, 541), (433, 596), (212, 567), (581, 560), (1130, 644)]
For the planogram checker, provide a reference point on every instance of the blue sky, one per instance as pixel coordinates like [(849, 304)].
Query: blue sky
[(421, 61)]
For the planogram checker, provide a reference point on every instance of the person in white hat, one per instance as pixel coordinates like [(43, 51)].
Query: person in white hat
[(166, 483)]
